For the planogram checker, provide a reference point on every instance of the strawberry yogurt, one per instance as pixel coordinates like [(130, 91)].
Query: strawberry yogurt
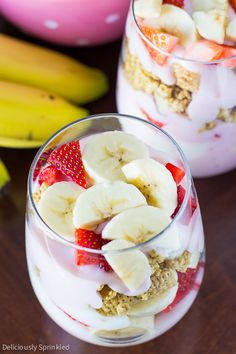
[(175, 71), (116, 254)]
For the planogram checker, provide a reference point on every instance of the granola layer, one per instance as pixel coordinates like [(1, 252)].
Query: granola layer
[(162, 278)]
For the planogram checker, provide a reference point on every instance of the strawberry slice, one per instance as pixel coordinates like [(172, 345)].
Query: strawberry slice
[(192, 203), (41, 162), (179, 3), (233, 4), (88, 239), (151, 119), (229, 52), (180, 198), (49, 175), (177, 173), (164, 41), (204, 50), (186, 283), (67, 159)]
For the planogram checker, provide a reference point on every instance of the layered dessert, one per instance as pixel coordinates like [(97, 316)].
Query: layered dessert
[(114, 238), (177, 70)]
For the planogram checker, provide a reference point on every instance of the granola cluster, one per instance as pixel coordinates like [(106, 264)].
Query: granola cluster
[(38, 193), (163, 277)]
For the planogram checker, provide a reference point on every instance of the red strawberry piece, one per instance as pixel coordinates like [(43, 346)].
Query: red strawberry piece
[(41, 162), (177, 173), (90, 239), (48, 175), (180, 198), (67, 159), (193, 204), (233, 4), (186, 283), (229, 52), (179, 3), (166, 42), (151, 119)]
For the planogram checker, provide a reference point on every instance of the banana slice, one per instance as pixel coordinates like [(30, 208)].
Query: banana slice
[(154, 181), (207, 5), (105, 154), (211, 25), (147, 8), (131, 266), (56, 207), (157, 303), (231, 30), (103, 201), (194, 259), (137, 225), (137, 327), (177, 21)]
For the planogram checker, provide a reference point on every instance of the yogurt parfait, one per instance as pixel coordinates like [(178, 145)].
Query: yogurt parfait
[(177, 70), (114, 237)]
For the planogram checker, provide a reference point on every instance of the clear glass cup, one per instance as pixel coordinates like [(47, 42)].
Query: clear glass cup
[(193, 101), (70, 294)]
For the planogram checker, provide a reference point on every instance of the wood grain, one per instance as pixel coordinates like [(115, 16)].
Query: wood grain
[(208, 328)]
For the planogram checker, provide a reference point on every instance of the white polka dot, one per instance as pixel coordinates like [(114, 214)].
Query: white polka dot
[(83, 42), (112, 18), (51, 24)]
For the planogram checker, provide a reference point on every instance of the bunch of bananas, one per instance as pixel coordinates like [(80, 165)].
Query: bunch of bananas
[(40, 90)]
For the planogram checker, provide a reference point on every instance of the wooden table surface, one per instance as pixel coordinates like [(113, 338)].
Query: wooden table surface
[(210, 325)]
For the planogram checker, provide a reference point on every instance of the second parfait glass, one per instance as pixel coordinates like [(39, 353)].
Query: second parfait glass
[(192, 100)]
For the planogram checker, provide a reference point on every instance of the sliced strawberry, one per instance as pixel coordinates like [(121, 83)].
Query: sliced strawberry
[(180, 198), (204, 50), (151, 119), (41, 162), (179, 3), (233, 4), (67, 159), (90, 239), (164, 41), (186, 283), (177, 173), (229, 52), (193, 204), (49, 175)]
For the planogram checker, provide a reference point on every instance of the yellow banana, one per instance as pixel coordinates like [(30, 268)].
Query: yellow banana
[(29, 116), (4, 175), (36, 66)]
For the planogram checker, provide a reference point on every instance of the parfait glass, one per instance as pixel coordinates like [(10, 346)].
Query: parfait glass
[(193, 100), (92, 304)]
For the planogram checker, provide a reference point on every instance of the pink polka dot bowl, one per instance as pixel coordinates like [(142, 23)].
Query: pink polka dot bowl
[(69, 22)]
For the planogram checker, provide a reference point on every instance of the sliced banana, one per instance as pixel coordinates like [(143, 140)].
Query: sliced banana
[(147, 8), (177, 21), (211, 25), (194, 259), (154, 181), (207, 5), (136, 225), (157, 303), (131, 266), (56, 207), (231, 30), (106, 153), (103, 201), (138, 326)]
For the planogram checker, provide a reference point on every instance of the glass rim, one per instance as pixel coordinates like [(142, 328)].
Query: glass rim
[(171, 55), (69, 243)]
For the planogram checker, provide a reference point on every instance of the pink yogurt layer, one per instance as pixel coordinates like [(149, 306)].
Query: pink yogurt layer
[(69, 22)]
